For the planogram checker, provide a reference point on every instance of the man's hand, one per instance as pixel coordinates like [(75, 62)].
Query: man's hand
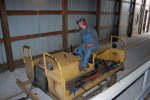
[(89, 45)]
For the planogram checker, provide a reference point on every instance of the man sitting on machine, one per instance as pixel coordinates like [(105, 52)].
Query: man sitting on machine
[(90, 43)]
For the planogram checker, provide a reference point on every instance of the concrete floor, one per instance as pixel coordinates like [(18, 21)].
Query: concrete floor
[(138, 52)]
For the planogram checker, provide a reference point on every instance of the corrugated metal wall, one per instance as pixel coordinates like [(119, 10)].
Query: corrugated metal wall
[(2, 49), (136, 17), (33, 4), (147, 23), (82, 5), (124, 19), (34, 24), (107, 20)]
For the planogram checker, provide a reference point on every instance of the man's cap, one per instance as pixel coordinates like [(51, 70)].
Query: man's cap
[(80, 20)]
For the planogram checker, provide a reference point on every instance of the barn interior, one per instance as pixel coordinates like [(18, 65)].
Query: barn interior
[(34, 31)]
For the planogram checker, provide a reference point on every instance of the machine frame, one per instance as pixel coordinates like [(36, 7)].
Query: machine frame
[(58, 78)]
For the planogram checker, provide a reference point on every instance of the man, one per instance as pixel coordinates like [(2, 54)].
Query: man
[(90, 43)]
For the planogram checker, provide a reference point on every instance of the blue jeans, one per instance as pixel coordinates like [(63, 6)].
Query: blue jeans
[(85, 53)]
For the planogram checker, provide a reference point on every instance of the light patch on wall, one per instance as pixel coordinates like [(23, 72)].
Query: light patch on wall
[(137, 18)]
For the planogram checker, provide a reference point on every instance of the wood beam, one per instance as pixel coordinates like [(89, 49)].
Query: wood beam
[(123, 1), (6, 35), (98, 9), (131, 17), (24, 37), (73, 30), (32, 12), (81, 12), (58, 12), (148, 24), (65, 24), (119, 2)]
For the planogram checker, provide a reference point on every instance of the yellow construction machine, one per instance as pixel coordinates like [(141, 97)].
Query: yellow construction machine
[(59, 76)]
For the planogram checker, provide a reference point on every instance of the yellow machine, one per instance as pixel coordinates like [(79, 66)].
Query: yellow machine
[(64, 79)]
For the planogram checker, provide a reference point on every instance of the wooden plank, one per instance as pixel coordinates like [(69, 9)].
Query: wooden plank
[(123, 1), (1, 40), (119, 16), (65, 24), (45, 12), (132, 17), (148, 24), (73, 30), (125, 13), (144, 20), (57, 12), (32, 95), (32, 12), (6, 35), (24, 37), (98, 9), (129, 32), (81, 12)]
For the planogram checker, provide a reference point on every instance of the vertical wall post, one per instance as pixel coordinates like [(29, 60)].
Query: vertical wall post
[(141, 17), (147, 29), (98, 10), (6, 35), (119, 16), (131, 17), (65, 24)]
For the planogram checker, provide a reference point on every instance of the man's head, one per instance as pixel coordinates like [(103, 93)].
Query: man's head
[(82, 23)]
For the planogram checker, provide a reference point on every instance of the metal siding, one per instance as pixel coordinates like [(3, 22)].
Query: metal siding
[(49, 23), (148, 2), (107, 20), (105, 33), (137, 12), (124, 19), (2, 48), (135, 24), (1, 36), (16, 50), (82, 5), (140, 1), (125, 7), (123, 30), (48, 44), (34, 24), (3, 54), (107, 5), (23, 25), (74, 39), (33, 4)]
